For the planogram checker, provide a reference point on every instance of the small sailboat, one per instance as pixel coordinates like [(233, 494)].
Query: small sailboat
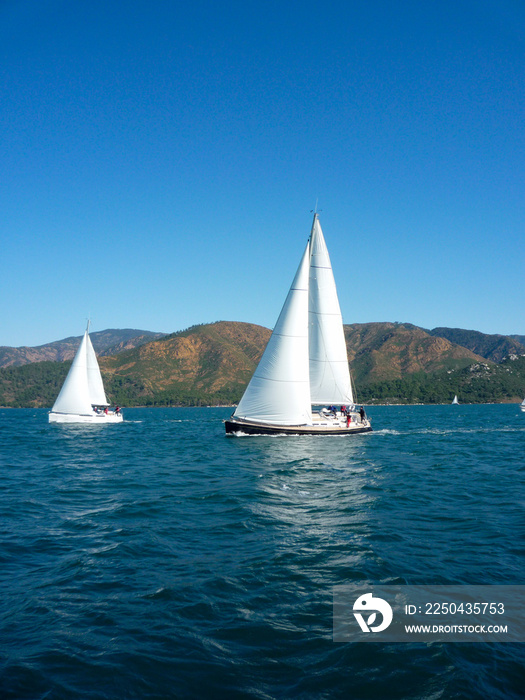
[(82, 398), (522, 405), (455, 401), (302, 384)]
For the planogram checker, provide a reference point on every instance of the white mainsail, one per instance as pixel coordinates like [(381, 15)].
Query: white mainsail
[(329, 374), (305, 361), (279, 391), (74, 397)]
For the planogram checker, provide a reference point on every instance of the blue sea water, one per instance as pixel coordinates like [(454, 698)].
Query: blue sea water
[(161, 559)]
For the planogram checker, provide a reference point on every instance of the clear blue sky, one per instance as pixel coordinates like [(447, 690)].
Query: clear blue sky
[(160, 159)]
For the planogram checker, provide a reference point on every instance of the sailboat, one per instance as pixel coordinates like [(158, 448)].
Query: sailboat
[(522, 405), (302, 384), (82, 398), (455, 401)]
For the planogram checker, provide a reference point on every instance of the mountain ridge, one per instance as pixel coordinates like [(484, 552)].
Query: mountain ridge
[(212, 363), (493, 347), (106, 342)]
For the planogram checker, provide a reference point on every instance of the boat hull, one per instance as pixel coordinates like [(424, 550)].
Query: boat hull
[(236, 427), (99, 419)]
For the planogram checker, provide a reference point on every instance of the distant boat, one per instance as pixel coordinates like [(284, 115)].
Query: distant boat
[(522, 405), (82, 398), (302, 384), (455, 401)]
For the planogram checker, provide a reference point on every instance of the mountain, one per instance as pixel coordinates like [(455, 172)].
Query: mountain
[(481, 382), (108, 342), (519, 338), (491, 347), (380, 351), (212, 363)]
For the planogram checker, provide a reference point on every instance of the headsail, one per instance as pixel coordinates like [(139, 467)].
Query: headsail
[(329, 374), (96, 386)]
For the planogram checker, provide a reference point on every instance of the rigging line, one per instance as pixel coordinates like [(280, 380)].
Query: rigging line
[(352, 388)]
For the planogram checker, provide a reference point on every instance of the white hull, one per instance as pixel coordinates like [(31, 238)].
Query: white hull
[(522, 407), (99, 418)]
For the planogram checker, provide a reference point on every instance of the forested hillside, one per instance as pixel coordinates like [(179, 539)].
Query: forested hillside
[(211, 364)]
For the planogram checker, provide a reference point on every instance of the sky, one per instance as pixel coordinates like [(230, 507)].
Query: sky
[(160, 160)]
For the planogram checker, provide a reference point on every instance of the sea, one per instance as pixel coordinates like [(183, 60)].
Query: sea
[(159, 558)]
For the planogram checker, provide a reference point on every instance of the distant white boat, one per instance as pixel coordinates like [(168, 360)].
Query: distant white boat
[(522, 405), (302, 383), (455, 401), (82, 398)]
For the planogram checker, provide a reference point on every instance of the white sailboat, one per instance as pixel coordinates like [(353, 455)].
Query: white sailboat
[(302, 383), (455, 401), (82, 398), (522, 405)]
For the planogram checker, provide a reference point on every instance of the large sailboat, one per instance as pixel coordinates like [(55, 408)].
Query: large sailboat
[(302, 384), (82, 398)]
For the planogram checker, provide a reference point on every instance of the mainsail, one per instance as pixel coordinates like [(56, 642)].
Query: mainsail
[(74, 395), (279, 391), (305, 361)]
